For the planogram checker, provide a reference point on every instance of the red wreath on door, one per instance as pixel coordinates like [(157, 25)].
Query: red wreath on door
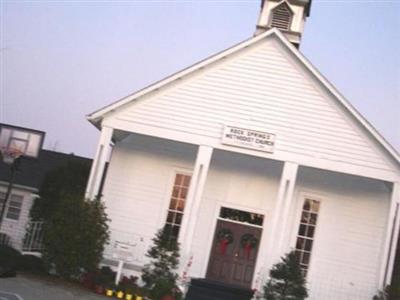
[(224, 237), (248, 243)]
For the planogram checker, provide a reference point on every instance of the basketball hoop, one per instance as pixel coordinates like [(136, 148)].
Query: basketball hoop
[(10, 154), (16, 142)]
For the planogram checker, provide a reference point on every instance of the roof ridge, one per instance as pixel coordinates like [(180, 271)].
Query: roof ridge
[(97, 115), (170, 78)]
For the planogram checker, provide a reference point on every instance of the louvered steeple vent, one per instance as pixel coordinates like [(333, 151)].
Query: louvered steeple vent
[(282, 17), (288, 16)]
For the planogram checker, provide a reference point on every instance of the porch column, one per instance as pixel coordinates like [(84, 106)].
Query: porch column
[(276, 242), (193, 199), (391, 237), (99, 161)]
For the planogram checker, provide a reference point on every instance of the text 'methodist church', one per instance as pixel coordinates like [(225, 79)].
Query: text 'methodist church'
[(253, 144)]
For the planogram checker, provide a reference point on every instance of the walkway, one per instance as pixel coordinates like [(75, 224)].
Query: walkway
[(27, 287)]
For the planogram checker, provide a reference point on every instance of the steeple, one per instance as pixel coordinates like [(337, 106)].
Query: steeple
[(288, 16)]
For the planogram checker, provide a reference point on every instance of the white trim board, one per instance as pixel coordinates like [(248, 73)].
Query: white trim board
[(308, 161), (97, 117)]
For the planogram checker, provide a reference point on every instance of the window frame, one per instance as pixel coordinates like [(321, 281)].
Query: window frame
[(302, 196), (7, 210), (169, 193)]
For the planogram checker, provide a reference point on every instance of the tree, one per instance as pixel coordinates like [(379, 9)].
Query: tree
[(160, 274), (75, 235), (75, 228), (286, 280), (68, 179)]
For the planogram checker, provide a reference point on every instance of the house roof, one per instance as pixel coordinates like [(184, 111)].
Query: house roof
[(97, 116), (31, 172)]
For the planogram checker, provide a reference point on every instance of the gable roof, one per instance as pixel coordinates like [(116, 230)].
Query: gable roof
[(97, 116), (31, 172)]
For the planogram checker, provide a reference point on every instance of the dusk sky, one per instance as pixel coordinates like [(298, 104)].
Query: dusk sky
[(61, 60)]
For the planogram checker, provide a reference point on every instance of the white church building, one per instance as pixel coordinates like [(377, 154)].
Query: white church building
[(245, 156)]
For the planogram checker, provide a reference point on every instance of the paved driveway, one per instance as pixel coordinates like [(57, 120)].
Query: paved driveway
[(26, 287), (9, 296)]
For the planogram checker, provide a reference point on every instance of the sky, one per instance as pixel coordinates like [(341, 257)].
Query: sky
[(61, 60)]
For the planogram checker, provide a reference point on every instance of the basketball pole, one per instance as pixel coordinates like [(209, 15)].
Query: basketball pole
[(13, 167), (15, 142)]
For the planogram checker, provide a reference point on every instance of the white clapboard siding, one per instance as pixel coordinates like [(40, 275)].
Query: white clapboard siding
[(263, 87), (350, 232), (138, 187), (347, 248), (16, 229)]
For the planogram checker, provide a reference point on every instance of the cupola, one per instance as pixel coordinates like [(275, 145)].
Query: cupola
[(289, 16)]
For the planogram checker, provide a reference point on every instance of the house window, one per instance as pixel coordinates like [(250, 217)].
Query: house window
[(305, 236), (14, 206), (177, 204), (282, 17)]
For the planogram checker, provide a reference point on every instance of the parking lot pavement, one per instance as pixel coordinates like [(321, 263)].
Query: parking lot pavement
[(9, 296), (27, 287)]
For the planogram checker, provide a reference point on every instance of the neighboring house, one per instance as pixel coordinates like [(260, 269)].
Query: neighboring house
[(245, 156), (28, 180)]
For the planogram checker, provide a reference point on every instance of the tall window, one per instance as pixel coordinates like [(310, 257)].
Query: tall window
[(282, 17), (177, 204), (14, 206), (305, 236)]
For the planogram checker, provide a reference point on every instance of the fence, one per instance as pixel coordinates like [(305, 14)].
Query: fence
[(33, 241)]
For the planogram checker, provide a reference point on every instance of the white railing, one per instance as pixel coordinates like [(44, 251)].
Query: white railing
[(33, 241)]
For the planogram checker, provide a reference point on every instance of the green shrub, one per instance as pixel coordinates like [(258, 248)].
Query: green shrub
[(68, 179), (75, 236), (286, 280), (9, 257), (128, 284), (163, 287), (33, 264), (75, 228), (160, 274), (105, 276), (12, 258), (395, 292)]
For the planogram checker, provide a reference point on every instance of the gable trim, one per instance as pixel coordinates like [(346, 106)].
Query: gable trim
[(342, 100), (96, 117)]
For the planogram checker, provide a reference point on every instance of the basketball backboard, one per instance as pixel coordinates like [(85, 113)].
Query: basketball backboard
[(19, 141)]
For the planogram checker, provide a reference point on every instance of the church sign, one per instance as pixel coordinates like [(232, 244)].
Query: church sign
[(123, 251), (248, 138)]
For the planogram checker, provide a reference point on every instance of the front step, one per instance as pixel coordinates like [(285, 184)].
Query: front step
[(203, 289)]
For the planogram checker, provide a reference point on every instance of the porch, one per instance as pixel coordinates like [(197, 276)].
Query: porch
[(140, 184)]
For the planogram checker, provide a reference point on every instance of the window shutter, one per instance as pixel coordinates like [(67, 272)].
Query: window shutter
[(281, 17)]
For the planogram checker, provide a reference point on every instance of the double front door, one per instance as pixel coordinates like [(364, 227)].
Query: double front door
[(234, 253)]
